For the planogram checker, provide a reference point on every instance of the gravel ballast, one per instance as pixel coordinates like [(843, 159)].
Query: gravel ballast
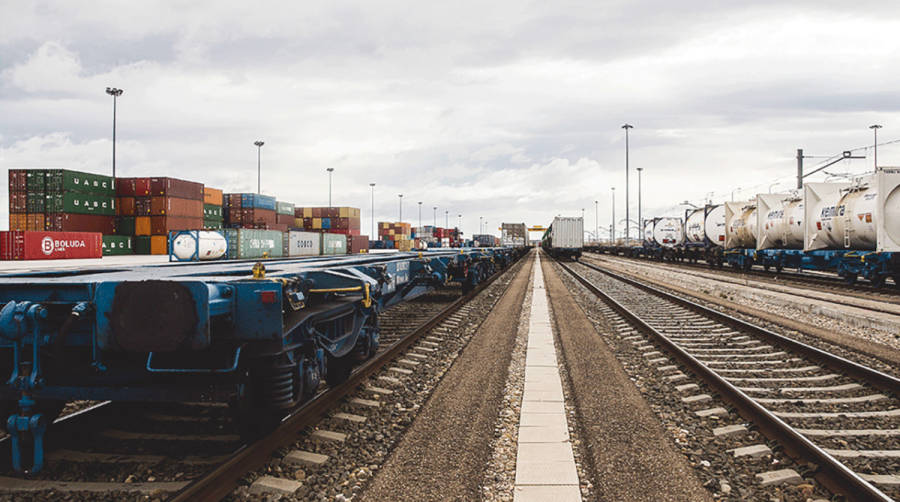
[(444, 453), (631, 455)]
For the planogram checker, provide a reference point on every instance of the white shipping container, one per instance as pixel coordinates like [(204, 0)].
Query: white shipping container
[(779, 221), (304, 243), (567, 232)]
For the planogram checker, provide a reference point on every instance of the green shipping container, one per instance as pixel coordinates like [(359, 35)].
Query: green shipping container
[(35, 202), (212, 212), (35, 180), (212, 225), (284, 207), (142, 244), (334, 244), (117, 244), (125, 225), (252, 243), (64, 180), (81, 203)]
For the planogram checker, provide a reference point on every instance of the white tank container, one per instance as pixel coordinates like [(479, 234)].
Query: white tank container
[(740, 225), (207, 244), (714, 225), (668, 232), (304, 243), (841, 215), (694, 232), (779, 221), (648, 232), (888, 215)]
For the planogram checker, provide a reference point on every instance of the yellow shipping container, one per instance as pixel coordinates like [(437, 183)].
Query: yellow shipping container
[(298, 222), (307, 212), (404, 245), (317, 223)]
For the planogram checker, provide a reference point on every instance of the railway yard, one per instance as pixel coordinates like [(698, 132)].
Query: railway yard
[(605, 378)]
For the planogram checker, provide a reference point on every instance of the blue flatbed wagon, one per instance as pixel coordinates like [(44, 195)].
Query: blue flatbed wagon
[(257, 335)]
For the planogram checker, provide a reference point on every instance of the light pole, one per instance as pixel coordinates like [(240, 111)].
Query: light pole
[(447, 218), (115, 93), (873, 127), (640, 220), (597, 220), (612, 225), (458, 221), (330, 170), (480, 225), (259, 145), (626, 127), (434, 216), (373, 209), (401, 207), (582, 217), (420, 216)]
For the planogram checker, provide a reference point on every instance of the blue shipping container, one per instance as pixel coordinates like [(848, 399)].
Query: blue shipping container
[(257, 201), (326, 222)]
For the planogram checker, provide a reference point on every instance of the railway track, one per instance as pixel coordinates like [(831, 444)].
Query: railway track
[(839, 415), (191, 450), (815, 282)]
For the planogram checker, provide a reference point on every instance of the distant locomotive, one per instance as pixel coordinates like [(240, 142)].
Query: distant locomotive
[(564, 238)]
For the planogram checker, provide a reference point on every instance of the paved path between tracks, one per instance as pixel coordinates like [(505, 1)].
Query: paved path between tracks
[(444, 453), (545, 464)]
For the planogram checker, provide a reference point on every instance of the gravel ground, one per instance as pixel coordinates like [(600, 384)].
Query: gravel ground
[(444, 454), (724, 476), (826, 334), (631, 456), (500, 474), (353, 464)]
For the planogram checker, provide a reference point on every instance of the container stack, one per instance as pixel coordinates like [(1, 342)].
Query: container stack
[(249, 210), (333, 220), (213, 215), (60, 200), (150, 208), (395, 235), (284, 215), (485, 240)]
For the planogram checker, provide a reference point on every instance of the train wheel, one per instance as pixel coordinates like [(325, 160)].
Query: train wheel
[(337, 370), (896, 278), (878, 281), (850, 278), (251, 417)]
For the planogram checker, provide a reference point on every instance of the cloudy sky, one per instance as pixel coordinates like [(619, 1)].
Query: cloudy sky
[(506, 110)]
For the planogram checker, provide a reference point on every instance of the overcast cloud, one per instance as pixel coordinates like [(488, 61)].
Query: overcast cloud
[(507, 110)]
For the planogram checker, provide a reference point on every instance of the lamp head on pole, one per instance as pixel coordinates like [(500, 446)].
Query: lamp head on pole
[(329, 169), (259, 143), (112, 91), (627, 127), (873, 126)]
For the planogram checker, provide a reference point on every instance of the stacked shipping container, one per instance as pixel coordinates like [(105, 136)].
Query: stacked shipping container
[(395, 235), (150, 208), (213, 214)]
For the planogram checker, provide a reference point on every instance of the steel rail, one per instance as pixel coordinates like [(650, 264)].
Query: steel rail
[(833, 474), (223, 479)]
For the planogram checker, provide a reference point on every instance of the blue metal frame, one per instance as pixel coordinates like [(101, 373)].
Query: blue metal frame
[(214, 322)]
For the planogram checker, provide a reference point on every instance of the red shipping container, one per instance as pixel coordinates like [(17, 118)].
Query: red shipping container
[(125, 187), (173, 206), (285, 219), (18, 179), (71, 222), (233, 216), (174, 187), (233, 201), (317, 212), (18, 202), (162, 225), (142, 206), (141, 187), (257, 216), (357, 243), (125, 207), (18, 245)]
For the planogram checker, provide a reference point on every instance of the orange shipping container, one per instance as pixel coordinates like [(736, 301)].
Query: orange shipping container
[(142, 225), (17, 221), (34, 221), (173, 206), (125, 207), (212, 196), (159, 244)]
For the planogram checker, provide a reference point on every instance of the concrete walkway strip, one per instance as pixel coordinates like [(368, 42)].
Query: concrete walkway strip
[(545, 464)]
